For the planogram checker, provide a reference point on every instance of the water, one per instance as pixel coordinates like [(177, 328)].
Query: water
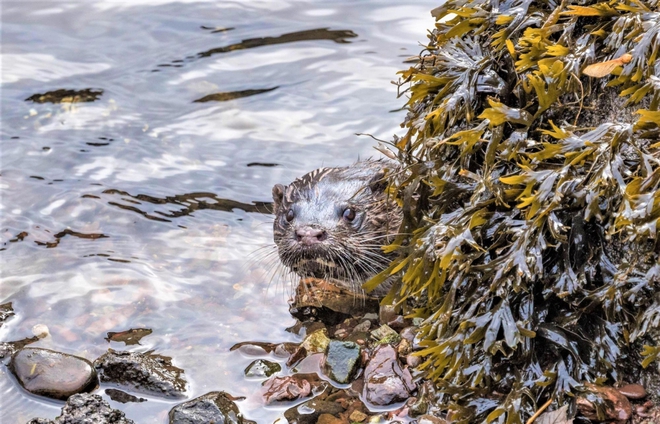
[(143, 208)]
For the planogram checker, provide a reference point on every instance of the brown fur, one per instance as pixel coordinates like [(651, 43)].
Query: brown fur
[(351, 253)]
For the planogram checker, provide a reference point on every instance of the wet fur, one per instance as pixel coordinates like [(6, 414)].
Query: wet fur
[(352, 252)]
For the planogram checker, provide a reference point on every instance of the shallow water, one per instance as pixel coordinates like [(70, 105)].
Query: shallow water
[(146, 208)]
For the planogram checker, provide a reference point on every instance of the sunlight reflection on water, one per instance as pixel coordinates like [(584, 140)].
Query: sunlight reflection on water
[(139, 208)]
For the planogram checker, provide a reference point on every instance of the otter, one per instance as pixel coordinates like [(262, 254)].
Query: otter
[(332, 223)]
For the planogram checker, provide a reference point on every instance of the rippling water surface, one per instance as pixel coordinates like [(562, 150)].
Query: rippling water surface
[(142, 205)]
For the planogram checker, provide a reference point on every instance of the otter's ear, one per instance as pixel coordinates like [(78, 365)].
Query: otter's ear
[(278, 196), (378, 183)]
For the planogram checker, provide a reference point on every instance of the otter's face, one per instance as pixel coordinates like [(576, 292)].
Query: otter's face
[(332, 223)]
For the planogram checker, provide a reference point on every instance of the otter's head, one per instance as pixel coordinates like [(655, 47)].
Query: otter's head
[(332, 223)]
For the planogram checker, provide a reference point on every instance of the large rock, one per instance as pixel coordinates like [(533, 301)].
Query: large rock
[(385, 382), (214, 407), (142, 372), (342, 361), (53, 374), (86, 408)]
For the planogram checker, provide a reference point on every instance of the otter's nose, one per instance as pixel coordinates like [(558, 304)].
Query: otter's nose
[(310, 236)]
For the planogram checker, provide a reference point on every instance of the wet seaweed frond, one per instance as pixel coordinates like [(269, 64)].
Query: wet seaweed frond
[(532, 195)]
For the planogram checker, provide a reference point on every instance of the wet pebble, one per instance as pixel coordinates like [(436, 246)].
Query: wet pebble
[(430, 419), (213, 407), (385, 381), (632, 391), (310, 411), (6, 312), (291, 387), (616, 406), (122, 397), (262, 368), (342, 361), (52, 374), (144, 372), (86, 408)]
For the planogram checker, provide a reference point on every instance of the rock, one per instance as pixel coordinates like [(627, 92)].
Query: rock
[(291, 387), (262, 368), (310, 411), (9, 348), (143, 372), (52, 374), (615, 405), (129, 337), (315, 342), (86, 408), (329, 419), (632, 391), (320, 300), (41, 331), (385, 335), (357, 416), (122, 397), (342, 361), (213, 407), (6, 312), (409, 334), (385, 381), (430, 419)]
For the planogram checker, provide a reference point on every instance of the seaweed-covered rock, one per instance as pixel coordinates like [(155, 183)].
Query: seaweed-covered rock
[(531, 184), (143, 372), (85, 408), (52, 374), (213, 407)]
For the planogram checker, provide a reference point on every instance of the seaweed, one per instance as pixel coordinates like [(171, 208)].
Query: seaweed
[(531, 195)]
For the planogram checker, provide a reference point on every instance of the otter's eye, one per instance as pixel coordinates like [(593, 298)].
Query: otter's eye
[(348, 214), (289, 215)]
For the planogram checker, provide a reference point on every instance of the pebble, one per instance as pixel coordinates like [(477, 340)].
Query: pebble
[(342, 361), (262, 368), (385, 381), (53, 374), (633, 391), (213, 407)]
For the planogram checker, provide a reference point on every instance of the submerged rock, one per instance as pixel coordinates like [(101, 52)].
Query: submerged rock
[(143, 372), (385, 382), (6, 312), (128, 337), (262, 368), (291, 387), (310, 411), (342, 361), (86, 408), (52, 374), (213, 407), (122, 397)]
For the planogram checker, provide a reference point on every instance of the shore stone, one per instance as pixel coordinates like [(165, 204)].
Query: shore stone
[(213, 407), (342, 360), (52, 374), (6, 312), (617, 406), (122, 397), (292, 387), (262, 368), (85, 408), (633, 391), (143, 372), (310, 411), (385, 381)]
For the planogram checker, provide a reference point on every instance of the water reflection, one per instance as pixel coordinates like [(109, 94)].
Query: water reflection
[(155, 222), (187, 203), (223, 97)]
